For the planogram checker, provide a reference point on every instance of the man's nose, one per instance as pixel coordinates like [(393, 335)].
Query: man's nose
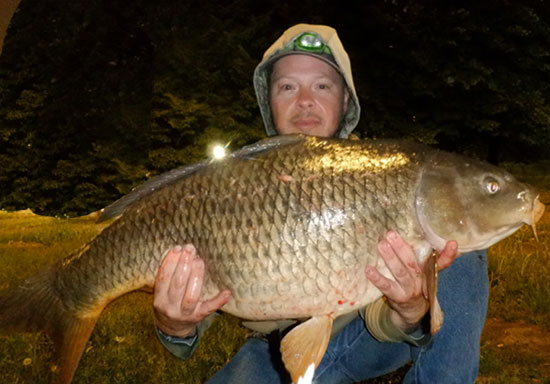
[(305, 98)]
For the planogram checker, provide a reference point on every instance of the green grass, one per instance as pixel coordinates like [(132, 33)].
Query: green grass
[(519, 266), (123, 347), (520, 291), (506, 366), (518, 270)]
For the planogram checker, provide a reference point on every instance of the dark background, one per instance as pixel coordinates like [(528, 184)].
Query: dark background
[(96, 96)]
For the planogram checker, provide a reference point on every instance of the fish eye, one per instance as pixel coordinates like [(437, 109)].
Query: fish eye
[(492, 185)]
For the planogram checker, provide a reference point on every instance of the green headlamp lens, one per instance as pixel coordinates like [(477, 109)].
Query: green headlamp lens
[(311, 42)]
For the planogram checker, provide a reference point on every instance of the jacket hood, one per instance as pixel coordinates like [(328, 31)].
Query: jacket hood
[(317, 39)]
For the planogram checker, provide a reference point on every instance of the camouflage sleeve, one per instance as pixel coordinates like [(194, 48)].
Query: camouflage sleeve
[(184, 347), (378, 322)]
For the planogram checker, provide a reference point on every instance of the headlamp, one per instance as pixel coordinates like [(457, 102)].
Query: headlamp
[(310, 42)]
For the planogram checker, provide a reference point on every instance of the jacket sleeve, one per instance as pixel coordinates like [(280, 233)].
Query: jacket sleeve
[(184, 347), (378, 322)]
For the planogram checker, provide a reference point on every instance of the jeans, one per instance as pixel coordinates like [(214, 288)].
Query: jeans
[(354, 355)]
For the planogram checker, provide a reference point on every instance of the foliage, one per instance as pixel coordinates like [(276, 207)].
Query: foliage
[(98, 96), (465, 75)]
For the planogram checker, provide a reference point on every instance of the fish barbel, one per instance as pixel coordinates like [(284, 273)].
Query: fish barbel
[(288, 225)]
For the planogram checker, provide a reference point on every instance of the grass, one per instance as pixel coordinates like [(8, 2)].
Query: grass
[(519, 266), (508, 367), (123, 347), (520, 288), (520, 292)]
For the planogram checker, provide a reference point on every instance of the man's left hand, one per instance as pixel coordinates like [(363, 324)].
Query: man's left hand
[(406, 295)]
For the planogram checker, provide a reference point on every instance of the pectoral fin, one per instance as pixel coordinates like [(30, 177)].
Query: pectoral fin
[(436, 313), (305, 346)]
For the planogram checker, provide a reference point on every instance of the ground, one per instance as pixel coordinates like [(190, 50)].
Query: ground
[(523, 350), (511, 352)]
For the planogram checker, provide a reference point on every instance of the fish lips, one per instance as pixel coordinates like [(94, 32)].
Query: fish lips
[(538, 211)]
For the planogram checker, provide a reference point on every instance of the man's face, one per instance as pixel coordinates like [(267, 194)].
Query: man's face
[(307, 96)]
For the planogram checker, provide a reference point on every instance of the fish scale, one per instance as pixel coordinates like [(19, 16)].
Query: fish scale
[(223, 217), (288, 225)]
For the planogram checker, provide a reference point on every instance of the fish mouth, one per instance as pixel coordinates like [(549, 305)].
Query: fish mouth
[(534, 215), (530, 219), (537, 212)]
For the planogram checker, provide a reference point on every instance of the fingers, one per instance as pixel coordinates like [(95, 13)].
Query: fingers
[(400, 260), (210, 306), (182, 272), (447, 255), (190, 295), (169, 265), (400, 250), (405, 294), (177, 295), (379, 281)]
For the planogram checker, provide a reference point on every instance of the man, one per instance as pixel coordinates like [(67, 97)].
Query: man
[(304, 85)]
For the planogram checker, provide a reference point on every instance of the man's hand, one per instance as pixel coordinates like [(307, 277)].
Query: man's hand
[(178, 286), (407, 294), (447, 255)]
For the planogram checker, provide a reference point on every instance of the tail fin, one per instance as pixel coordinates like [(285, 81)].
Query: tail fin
[(34, 306)]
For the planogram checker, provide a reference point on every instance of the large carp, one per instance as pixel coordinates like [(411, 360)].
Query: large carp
[(288, 225)]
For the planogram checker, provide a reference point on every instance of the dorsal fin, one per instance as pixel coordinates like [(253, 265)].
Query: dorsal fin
[(177, 174)]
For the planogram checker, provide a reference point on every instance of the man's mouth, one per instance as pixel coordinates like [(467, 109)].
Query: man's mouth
[(306, 122)]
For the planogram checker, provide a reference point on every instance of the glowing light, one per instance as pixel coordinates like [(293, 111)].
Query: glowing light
[(218, 152)]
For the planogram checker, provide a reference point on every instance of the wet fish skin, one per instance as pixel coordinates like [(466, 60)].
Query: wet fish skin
[(268, 230), (288, 227)]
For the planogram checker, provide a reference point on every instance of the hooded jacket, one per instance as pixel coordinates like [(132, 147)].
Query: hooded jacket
[(338, 58)]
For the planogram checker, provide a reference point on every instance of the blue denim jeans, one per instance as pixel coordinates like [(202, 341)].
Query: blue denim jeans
[(354, 355)]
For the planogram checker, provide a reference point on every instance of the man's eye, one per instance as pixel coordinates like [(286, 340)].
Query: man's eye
[(286, 87), (324, 86)]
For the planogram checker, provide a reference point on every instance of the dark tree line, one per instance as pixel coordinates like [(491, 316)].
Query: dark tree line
[(97, 96)]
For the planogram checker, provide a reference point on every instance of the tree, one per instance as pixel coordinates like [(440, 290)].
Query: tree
[(464, 75), (98, 96)]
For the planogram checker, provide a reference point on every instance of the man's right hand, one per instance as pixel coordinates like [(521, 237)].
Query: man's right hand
[(177, 294)]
